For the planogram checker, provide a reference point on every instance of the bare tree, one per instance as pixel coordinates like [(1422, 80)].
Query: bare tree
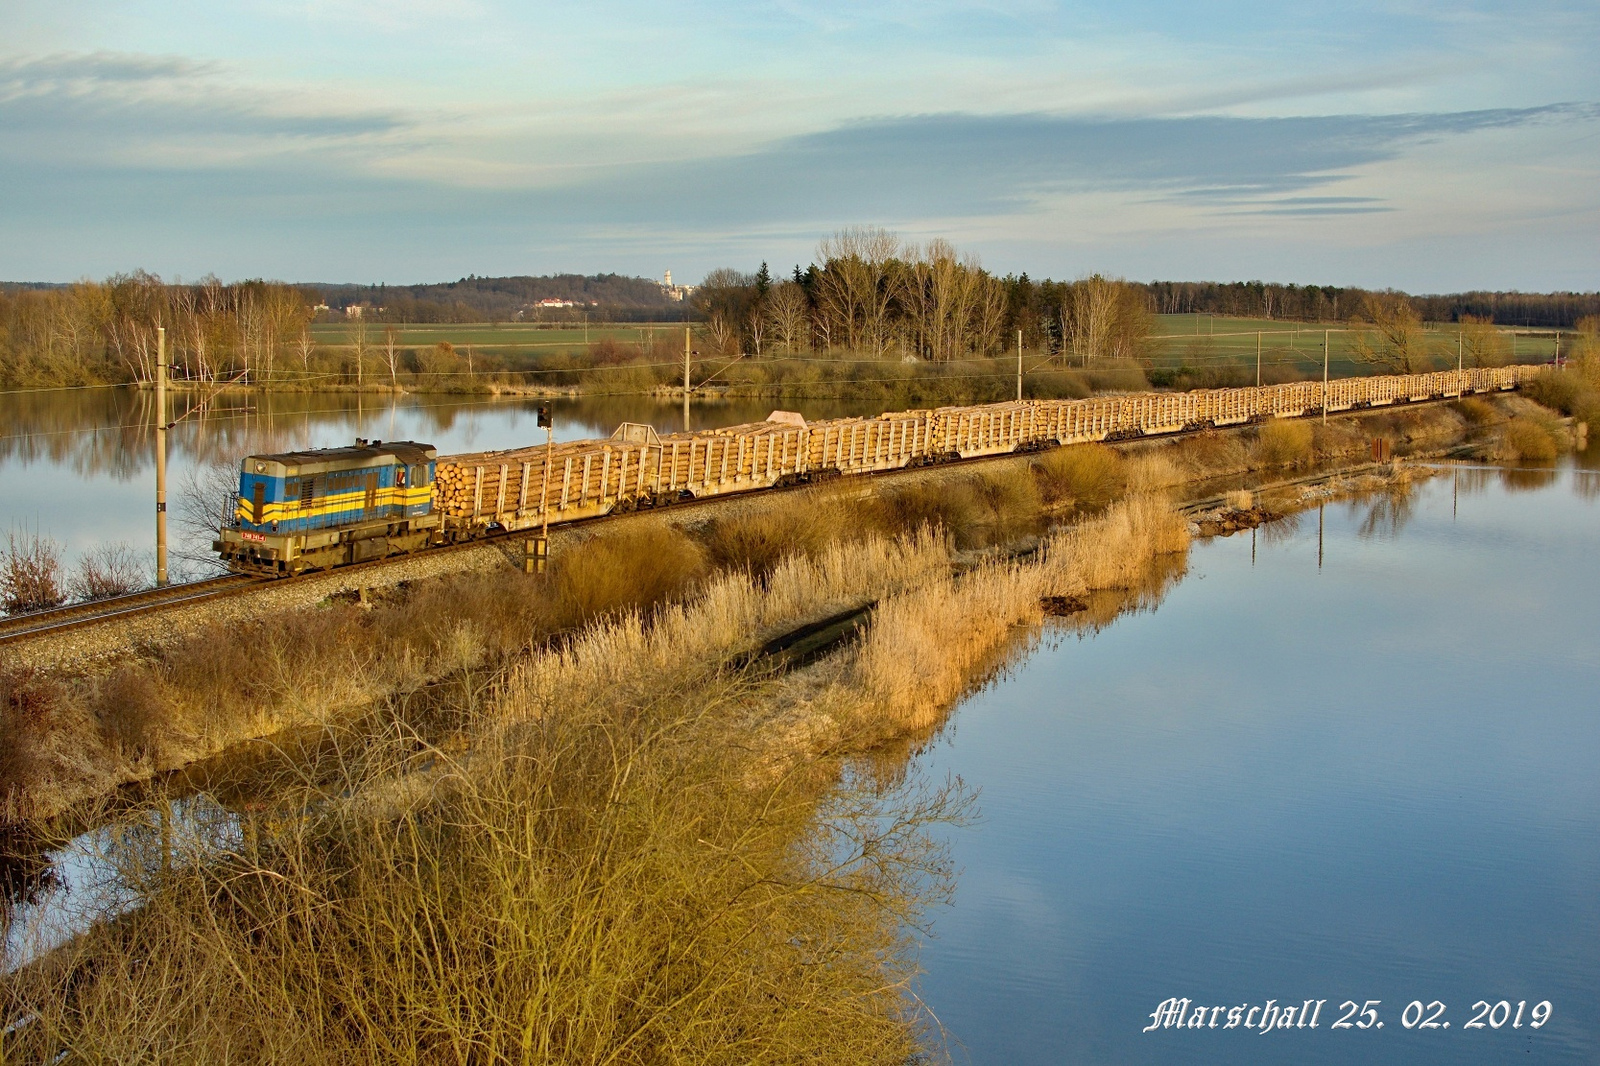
[(30, 573), (391, 354), (1482, 344), (1400, 345), (787, 311)]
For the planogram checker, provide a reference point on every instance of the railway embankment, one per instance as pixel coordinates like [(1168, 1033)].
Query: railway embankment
[(101, 706)]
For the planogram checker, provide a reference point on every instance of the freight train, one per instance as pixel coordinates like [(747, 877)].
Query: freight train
[(312, 510)]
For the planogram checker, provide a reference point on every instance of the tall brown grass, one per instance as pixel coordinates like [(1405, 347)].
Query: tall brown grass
[(1526, 440), (605, 886), (1085, 474), (632, 567), (761, 537), (923, 646), (1283, 443)]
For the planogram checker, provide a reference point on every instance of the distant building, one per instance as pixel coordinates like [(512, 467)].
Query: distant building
[(675, 292), (556, 303)]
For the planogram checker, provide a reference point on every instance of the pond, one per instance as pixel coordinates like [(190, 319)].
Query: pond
[(78, 466), (1348, 758)]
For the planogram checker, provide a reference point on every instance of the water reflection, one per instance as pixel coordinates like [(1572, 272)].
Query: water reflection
[(1373, 781), (106, 871), (79, 464)]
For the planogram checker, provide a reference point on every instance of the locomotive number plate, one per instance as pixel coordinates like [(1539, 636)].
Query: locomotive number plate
[(259, 538)]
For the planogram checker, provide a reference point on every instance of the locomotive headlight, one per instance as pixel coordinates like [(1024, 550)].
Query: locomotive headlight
[(261, 468)]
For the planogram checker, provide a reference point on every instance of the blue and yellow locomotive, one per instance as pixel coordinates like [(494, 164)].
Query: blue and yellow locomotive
[(312, 510)]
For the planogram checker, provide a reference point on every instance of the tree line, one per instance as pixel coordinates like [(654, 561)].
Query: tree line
[(876, 296), (867, 293)]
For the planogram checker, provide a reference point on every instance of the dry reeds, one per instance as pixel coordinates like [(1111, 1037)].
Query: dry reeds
[(1283, 443), (923, 646), (602, 887), (758, 540), (1526, 440), (1089, 475), (634, 567)]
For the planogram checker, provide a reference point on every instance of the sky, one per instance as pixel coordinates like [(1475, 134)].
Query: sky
[(1427, 146)]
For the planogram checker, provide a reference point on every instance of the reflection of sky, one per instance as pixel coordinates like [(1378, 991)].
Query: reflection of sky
[(81, 467), (1372, 781), (91, 876)]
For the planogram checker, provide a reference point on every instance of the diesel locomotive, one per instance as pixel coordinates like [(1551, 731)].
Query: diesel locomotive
[(313, 510)]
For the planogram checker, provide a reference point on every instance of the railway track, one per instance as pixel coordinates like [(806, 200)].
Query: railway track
[(38, 623)]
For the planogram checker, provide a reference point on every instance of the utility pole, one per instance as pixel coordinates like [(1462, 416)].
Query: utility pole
[(1019, 366), (161, 456), (1324, 381), (538, 549), (1461, 344), (687, 351), (1258, 358)]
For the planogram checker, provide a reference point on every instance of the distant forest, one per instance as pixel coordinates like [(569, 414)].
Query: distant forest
[(475, 299), (617, 297)]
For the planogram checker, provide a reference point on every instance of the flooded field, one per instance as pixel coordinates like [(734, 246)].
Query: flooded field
[(1348, 758)]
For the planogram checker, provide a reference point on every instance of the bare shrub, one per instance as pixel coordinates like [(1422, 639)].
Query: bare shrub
[(28, 704), (30, 573), (132, 711), (758, 541), (1085, 474), (1525, 440), (1475, 410), (1283, 443), (1007, 500), (108, 570), (949, 507), (633, 567)]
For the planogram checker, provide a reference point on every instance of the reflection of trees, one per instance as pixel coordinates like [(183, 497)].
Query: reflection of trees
[(1281, 530), (1384, 513), (1472, 481), (1587, 482), (1526, 479)]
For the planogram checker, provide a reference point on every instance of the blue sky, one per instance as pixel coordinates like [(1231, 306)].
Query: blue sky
[(1428, 146)]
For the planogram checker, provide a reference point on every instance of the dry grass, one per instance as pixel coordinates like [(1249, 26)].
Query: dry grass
[(597, 879), (1526, 440), (1283, 443), (923, 646), (1476, 411), (631, 568), (758, 540), (606, 888), (1241, 499), (1089, 475)]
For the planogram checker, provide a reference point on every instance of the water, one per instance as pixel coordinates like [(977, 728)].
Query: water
[(79, 466), (1352, 760)]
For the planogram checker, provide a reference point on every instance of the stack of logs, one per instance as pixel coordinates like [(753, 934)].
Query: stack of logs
[(457, 491)]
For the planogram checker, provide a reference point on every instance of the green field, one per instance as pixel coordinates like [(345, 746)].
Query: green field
[(496, 337), (1201, 342), (1195, 348)]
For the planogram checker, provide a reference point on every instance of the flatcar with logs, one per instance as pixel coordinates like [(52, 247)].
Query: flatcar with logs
[(313, 510)]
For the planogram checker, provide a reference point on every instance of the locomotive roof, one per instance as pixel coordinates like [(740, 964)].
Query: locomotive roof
[(406, 451)]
